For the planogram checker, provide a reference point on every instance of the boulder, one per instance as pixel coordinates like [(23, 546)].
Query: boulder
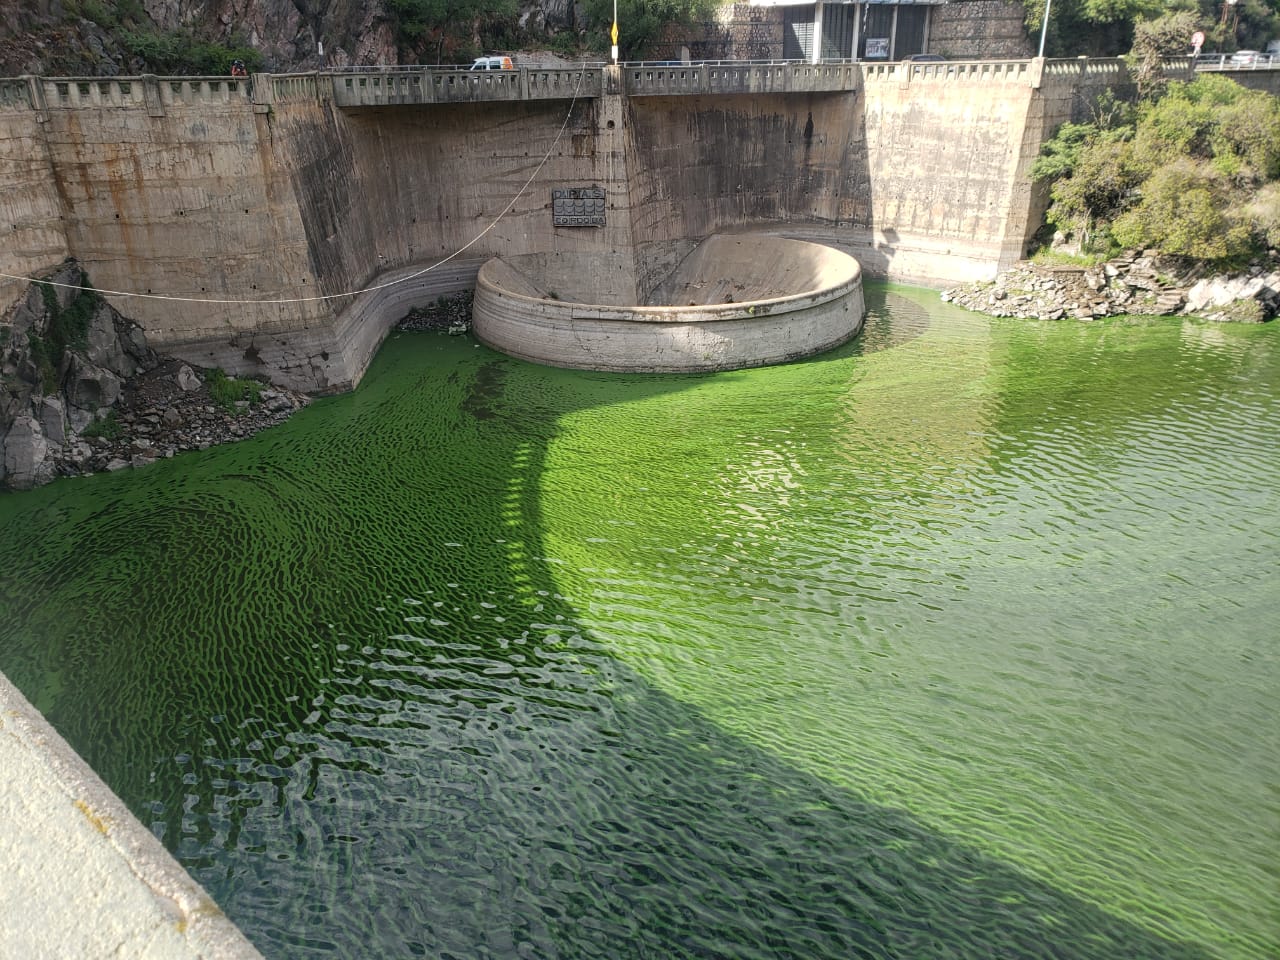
[(102, 346), (134, 341), (187, 379), (53, 420), (91, 387), (25, 454)]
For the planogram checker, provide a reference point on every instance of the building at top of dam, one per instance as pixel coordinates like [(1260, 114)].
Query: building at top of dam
[(277, 226)]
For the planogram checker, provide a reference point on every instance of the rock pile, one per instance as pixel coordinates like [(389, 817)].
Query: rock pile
[(1136, 283), (167, 410), (451, 313), (81, 391)]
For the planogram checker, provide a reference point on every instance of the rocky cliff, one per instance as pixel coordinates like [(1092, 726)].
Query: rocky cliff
[(99, 38), (81, 391)]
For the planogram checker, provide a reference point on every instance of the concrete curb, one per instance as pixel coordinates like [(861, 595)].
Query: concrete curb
[(82, 877)]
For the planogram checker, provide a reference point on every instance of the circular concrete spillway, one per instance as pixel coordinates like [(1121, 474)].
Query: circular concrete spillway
[(733, 302)]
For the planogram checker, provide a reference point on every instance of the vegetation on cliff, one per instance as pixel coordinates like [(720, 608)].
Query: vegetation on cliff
[(1107, 27), (111, 37), (1192, 169)]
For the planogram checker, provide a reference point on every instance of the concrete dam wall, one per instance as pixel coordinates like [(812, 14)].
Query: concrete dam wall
[(289, 190)]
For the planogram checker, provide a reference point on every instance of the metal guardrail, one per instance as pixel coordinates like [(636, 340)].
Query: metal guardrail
[(1238, 61)]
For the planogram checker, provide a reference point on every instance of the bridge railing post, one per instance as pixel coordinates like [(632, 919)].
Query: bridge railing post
[(1035, 73), (35, 87), (262, 92)]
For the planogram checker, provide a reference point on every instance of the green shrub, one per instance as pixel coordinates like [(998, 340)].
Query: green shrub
[(68, 329), (179, 52), (1190, 176), (1186, 210), (1056, 258), (107, 427), (1264, 213), (565, 43), (43, 360), (227, 391)]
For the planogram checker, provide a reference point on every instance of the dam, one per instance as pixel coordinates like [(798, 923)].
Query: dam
[(893, 651), (276, 227)]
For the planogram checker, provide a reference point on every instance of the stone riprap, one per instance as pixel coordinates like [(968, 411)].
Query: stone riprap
[(1134, 284), (734, 302)]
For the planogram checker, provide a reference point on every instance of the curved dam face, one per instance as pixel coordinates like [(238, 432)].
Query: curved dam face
[(734, 302)]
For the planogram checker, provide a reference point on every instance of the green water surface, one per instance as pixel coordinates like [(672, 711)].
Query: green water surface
[(960, 641)]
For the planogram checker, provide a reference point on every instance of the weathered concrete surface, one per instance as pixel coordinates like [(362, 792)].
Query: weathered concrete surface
[(82, 878), (735, 302), (331, 358), (179, 193), (31, 221)]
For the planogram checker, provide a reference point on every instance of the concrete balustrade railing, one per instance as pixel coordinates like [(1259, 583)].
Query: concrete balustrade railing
[(643, 79), (76, 92), (411, 85), (289, 87), (948, 71), (395, 85), (15, 94)]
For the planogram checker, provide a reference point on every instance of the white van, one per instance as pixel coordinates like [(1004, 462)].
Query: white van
[(493, 63)]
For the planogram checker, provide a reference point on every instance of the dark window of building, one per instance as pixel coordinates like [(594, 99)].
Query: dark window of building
[(837, 30), (877, 32), (797, 33), (911, 22)]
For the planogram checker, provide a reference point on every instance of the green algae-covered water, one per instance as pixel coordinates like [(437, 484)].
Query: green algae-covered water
[(960, 641)]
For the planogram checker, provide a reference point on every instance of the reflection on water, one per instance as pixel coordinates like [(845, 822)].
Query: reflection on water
[(954, 642)]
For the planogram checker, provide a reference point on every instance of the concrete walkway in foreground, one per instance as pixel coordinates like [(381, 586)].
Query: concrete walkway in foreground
[(80, 877)]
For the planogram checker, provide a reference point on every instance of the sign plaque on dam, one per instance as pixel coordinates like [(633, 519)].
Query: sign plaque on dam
[(577, 207)]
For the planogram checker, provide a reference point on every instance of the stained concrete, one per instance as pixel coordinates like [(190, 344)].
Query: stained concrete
[(82, 877), (734, 302)]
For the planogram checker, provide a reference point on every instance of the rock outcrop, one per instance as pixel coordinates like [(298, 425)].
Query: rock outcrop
[(1136, 283), (80, 391), (43, 37)]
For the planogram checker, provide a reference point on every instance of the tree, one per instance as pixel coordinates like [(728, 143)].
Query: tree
[(1108, 27), (1193, 173), (640, 22), (1154, 41)]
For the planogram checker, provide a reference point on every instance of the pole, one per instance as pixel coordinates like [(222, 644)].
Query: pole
[(614, 32), (1044, 27)]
